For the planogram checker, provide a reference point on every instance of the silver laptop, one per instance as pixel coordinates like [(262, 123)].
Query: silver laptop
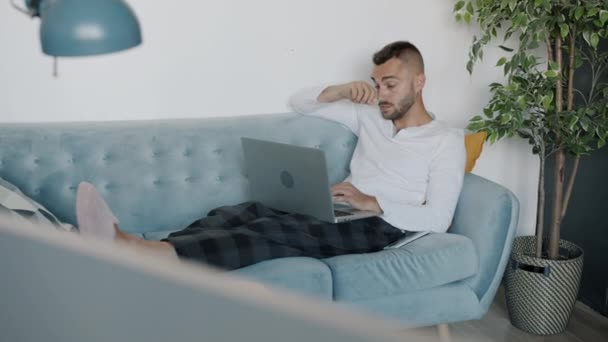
[(294, 179)]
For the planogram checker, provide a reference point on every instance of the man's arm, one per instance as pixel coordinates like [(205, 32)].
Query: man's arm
[(358, 92), (341, 103), (346, 192)]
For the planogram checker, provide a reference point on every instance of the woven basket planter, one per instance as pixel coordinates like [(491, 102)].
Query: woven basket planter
[(541, 293)]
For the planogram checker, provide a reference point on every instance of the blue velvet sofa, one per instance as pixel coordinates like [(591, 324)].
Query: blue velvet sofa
[(158, 176)]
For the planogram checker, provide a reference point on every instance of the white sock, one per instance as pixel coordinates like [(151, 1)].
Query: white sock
[(93, 214)]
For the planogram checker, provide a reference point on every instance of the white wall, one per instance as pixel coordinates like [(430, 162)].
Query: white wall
[(221, 58)]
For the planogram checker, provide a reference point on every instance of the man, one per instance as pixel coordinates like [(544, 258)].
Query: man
[(407, 167)]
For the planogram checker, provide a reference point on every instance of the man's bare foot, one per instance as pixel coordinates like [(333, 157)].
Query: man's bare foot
[(95, 219)]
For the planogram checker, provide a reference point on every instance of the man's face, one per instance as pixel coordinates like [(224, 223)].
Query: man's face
[(396, 88)]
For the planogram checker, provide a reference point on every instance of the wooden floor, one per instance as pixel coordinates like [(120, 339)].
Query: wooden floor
[(585, 325)]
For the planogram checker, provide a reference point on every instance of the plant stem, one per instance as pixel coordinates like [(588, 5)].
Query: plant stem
[(560, 161), (570, 108), (540, 216), (559, 90), (571, 69), (570, 186), (560, 164), (560, 202)]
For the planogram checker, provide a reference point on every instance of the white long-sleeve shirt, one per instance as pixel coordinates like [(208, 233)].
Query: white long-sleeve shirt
[(415, 174)]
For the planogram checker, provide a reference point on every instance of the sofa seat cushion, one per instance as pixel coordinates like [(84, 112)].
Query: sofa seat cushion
[(303, 275), (454, 302), (428, 262)]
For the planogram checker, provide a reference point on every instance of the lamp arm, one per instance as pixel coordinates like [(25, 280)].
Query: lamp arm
[(20, 9), (31, 8)]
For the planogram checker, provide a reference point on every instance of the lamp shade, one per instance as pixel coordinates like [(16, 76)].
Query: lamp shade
[(72, 28)]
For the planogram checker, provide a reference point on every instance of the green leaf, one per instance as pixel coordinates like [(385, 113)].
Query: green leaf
[(534, 45), (603, 16), (476, 118), (585, 124), (470, 8), (595, 39), (579, 12), (564, 30), (553, 66), (506, 48), (505, 118), (547, 102), (473, 126), (521, 101), (467, 17), (459, 5), (551, 73), (458, 17), (592, 12), (501, 61), (476, 48), (488, 112), (587, 37), (517, 20), (579, 62), (573, 121), (470, 67), (493, 137)]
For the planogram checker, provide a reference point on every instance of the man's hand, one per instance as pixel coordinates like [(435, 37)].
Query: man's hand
[(346, 192), (358, 92)]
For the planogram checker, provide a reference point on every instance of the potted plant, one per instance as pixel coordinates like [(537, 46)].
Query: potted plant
[(545, 101)]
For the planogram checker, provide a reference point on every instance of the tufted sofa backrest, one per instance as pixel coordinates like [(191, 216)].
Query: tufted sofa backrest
[(157, 176)]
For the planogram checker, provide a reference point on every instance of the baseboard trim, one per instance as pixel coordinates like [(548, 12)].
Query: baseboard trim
[(585, 309), (583, 317)]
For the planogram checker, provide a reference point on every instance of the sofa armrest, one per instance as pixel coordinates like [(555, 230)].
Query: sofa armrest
[(488, 214)]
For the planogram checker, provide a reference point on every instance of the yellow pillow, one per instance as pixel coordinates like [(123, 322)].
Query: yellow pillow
[(474, 144)]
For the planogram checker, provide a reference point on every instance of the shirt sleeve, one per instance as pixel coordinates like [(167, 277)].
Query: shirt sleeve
[(344, 112), (444, 185)]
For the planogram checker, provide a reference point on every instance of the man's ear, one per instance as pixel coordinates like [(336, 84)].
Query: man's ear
[(419, 82)]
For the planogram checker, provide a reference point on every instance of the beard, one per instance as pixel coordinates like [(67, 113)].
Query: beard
[(401, 108)]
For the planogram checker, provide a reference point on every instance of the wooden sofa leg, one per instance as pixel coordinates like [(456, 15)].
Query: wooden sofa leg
[(444, 332)]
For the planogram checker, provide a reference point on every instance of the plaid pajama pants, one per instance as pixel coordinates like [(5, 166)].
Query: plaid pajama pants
[(232, 237)]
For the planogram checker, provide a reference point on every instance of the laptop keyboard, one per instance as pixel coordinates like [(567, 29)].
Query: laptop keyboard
[(339, 213)]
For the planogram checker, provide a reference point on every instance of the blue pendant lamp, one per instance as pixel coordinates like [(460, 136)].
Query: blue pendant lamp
[(71, 28)]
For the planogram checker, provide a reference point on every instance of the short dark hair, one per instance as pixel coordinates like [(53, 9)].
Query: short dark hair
[(406, 51)]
